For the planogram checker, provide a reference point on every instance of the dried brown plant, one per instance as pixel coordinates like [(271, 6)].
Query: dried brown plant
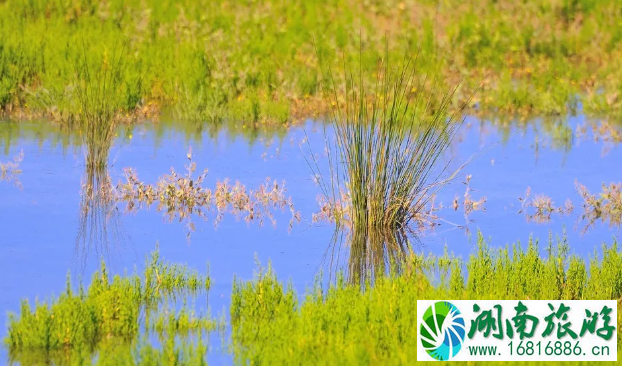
[(9, 170), (182, 196), (605, 206), (469, 204), (541, 208), (425, 221), (340, 212)]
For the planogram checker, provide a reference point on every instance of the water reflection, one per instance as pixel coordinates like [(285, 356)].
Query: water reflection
[(362, 257), (501, 176), (100, 228), (558, 133)]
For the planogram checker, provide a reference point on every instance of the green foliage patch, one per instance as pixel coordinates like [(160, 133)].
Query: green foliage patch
[(111, 311), (377, 325), (218, 60)]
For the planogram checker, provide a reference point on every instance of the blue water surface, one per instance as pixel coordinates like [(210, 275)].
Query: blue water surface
[(39, 223)]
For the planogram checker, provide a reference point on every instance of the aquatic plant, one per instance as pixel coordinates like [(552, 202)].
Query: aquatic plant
[(145, 353), (111, 309), (182, 196), (541, 208), (338, 212), (344, 324), (10, 169), (391, 149), (469, 204), (95, 98), (426, 222), (391, 138), (606, 208), (98, 91)]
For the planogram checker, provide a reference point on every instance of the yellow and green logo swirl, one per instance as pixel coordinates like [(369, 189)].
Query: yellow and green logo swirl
[(442, 331)]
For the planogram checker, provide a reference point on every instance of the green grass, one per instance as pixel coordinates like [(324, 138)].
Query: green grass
[(136, 320), (142, 353), (377, 325), (79, 324), (99, 94), (256, 60)]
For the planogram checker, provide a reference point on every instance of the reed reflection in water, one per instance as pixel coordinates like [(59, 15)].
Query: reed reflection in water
[(100, 229)]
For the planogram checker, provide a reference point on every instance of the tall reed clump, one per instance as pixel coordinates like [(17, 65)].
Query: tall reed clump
[(101, 95), (102, 90), (112, 309), (390, 140), (377, 325)]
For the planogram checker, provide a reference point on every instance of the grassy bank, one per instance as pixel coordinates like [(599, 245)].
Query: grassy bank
[(257, 60), (344, 325)]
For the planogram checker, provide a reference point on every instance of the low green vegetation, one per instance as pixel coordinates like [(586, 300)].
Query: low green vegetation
[(137, 320), (256, 60), (143, 353), (113, 312), (377, 325)]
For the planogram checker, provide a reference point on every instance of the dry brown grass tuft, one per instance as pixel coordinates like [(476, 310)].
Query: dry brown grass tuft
[(541, 208), (606, 208)]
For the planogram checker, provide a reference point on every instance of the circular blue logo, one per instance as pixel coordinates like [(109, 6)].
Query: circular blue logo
[(442, 331)]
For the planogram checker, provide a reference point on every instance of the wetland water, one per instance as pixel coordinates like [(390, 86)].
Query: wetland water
[(41, 222)]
